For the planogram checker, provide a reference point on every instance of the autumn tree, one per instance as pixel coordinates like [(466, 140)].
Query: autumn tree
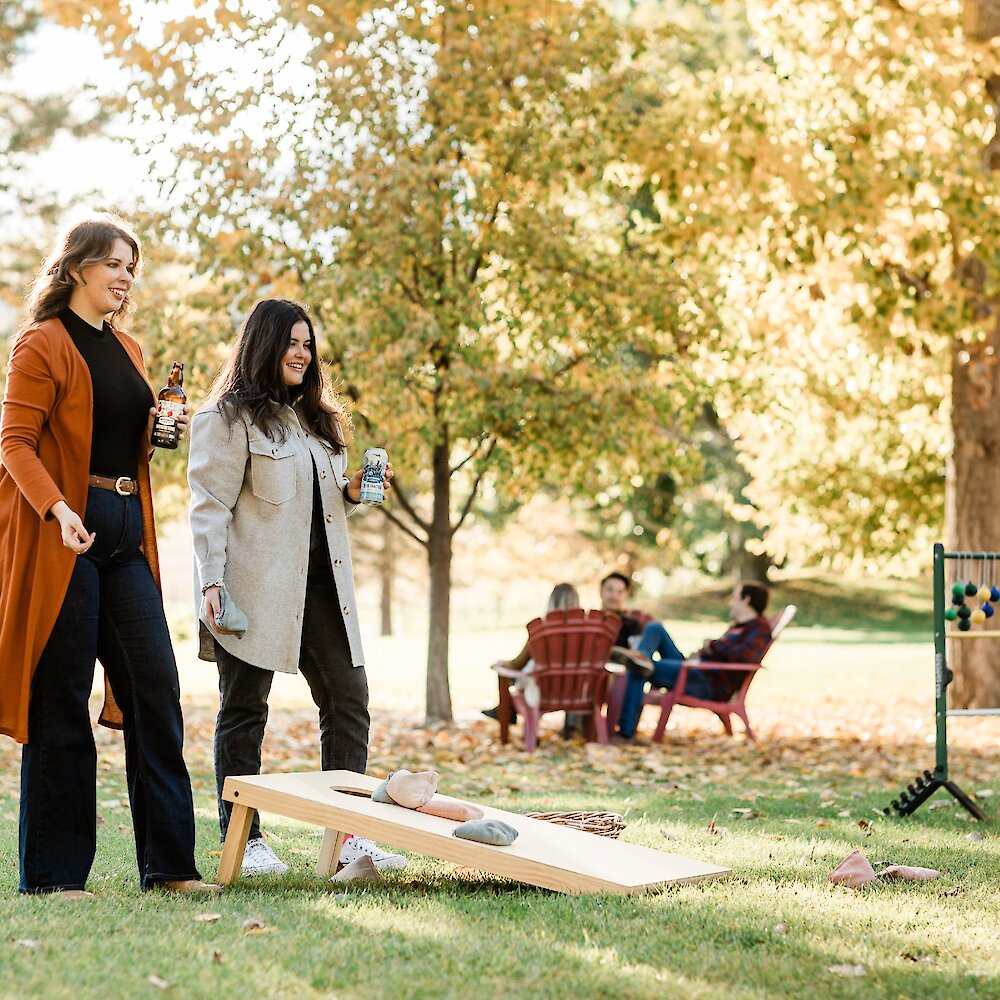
[(839, 181), (441, 183)]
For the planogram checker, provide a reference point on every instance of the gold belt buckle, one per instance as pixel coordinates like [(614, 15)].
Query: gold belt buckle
[(121, 490)]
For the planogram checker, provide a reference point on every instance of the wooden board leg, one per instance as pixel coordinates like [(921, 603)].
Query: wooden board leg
[(329, 852), (236, 843)]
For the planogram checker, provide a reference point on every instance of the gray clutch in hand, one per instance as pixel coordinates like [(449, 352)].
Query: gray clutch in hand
[(230, 620)]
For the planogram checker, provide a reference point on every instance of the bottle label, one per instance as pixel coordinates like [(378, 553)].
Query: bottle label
[(372, 474), (165, 428), (167, 413)]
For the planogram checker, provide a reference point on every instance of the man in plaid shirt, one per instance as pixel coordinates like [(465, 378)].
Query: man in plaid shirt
[(745, 642)]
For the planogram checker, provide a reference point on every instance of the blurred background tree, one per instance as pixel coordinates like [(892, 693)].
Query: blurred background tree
[(719, 273), (839, 183), (433, 182)]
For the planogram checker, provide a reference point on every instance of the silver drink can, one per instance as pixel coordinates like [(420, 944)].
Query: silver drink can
[(372, 490)]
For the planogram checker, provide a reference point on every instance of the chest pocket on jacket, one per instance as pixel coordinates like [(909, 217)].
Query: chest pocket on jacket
[(272, 470)]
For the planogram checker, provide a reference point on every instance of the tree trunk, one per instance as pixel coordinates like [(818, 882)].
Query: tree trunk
[(439, 560), (387, 570), (744, 564), (972, 523)]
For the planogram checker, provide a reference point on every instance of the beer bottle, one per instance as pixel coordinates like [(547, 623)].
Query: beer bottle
[(169, 406)]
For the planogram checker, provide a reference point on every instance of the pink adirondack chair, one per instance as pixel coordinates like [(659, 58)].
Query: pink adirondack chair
[(570, 651), (740, 676)]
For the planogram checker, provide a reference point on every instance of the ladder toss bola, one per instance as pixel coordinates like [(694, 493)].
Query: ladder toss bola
[(975, 584)]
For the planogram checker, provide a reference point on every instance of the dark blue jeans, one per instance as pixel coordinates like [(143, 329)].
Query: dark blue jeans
[(339, 689), (113, 612), (656, 639)]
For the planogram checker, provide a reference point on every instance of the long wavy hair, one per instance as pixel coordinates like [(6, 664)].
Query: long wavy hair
[(251, 383), (82, 244)]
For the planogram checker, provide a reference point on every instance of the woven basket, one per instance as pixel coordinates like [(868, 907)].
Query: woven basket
[(604, 824)]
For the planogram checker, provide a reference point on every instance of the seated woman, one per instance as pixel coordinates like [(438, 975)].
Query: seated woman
[(746, 641), (563, 597)]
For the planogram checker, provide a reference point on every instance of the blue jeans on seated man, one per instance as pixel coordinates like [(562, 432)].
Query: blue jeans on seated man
[(666, 669)]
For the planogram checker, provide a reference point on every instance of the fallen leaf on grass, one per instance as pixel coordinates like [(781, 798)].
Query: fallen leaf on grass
[(847, 970), (866, 825), (206, 918), (745, 813), (122, 828), (822, 822), (984, 793), (25, 943), (217, 956), (215, 854), (955, 890), (908, 956), (254, 926), (160, 984), (942, 804), (779, 929), (716, 831), (975, 836)]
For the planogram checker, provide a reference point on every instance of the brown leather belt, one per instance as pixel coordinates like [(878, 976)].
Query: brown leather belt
[(122, 485)]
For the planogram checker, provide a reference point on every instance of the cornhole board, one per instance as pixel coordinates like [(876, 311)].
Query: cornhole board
[(544, 854)]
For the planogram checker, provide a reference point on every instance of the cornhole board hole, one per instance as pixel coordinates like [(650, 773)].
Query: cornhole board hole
[(544, 854)]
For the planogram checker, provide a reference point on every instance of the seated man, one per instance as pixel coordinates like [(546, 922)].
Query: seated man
[(745, 642)]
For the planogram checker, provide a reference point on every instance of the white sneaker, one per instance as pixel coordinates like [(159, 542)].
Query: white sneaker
[(259, 859), (356, 847)]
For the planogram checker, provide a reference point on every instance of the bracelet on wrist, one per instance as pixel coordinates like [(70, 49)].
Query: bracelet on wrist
[(209, 586)]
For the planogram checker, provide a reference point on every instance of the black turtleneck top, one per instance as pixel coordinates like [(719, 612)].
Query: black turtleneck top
[(121, 398)]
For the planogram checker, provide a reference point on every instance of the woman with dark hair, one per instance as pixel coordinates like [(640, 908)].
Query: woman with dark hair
[(269, 504), (79, 574)]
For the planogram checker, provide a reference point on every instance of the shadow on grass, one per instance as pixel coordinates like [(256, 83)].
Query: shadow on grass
[(737, 938)]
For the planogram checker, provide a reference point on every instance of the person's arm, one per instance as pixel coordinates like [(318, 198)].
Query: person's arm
[(216, 468), (521, 660), (739, 645), (28, 402)]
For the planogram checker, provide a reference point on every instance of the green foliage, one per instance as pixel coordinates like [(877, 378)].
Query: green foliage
[(433, 185), (446, 187), (827, 192)]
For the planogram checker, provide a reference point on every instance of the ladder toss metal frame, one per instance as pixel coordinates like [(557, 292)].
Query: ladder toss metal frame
[(927, 783)]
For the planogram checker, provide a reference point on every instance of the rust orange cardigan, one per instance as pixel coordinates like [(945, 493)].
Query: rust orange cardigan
[(45, 431)]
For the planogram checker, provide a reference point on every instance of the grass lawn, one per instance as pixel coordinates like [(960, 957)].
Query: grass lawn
[(844, 719)]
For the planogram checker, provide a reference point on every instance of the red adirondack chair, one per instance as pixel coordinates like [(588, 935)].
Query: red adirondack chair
[(570, 651), (740, 674), (642, 617)]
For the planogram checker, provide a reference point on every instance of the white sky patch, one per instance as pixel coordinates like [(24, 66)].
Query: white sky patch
[(99, 169)]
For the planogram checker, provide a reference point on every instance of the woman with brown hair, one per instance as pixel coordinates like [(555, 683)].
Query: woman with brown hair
[(79, 574)]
